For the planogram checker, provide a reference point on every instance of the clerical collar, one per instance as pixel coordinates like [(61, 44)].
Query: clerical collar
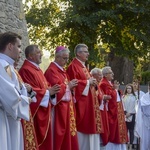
[(7, 58), (58, 66), (83, 63), (33, 64)]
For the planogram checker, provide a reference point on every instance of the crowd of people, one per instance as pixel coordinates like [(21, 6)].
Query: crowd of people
[(66, 108)]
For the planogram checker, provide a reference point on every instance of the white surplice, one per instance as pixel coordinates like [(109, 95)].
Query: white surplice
[(138, 119), (130, 104), (145, 109), (88, 141), (113, 146), (13, 107)]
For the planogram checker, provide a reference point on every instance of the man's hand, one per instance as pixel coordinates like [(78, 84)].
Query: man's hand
[(54, 89), (128, 115), (28, 87), (116, 85), (93, 81), (107, 97), (73, 83)]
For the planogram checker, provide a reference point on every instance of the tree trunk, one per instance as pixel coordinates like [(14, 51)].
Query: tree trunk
[(122, 68)]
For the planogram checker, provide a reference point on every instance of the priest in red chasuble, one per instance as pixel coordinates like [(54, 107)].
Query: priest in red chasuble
[(116, 118), (30, 140), (97, 74), (64, 123), (88, 118), (41, 110)]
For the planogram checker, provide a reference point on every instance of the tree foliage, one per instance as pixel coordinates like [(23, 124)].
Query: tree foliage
[(117, 27)]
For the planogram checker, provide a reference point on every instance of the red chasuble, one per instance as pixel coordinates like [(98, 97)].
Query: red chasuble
[(87, 107), (105, 134), (41, 115), (116, 121), (30, 140), (65, 135)]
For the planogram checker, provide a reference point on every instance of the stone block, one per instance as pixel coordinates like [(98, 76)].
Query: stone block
[(2, 14)]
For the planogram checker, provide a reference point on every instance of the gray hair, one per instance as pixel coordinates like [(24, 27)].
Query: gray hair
[(95, 71), (62, 52), (30, 49), (78, 48), (105, 70)]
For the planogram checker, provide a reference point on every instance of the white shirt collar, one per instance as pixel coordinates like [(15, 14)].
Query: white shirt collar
[(58, 66), (33, 64), (83, 63)]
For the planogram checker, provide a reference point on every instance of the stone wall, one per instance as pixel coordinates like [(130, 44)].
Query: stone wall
[(12, 18)]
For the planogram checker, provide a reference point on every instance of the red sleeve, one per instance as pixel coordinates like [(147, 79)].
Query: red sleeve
[(54, 78), (74, 73), (35, 81), (112, 103), (41, 115)]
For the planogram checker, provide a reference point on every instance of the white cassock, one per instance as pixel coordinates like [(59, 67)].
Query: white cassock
[(145, 109), (13, 107)]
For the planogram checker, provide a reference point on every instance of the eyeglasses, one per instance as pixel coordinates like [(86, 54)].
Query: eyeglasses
[(65, 58), (87, 52), (110, 73)]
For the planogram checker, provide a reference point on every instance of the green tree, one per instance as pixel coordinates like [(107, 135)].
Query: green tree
[(117, 28)]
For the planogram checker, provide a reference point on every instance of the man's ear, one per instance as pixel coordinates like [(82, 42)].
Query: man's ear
[(9, 46), (30, 56), (78, 54)]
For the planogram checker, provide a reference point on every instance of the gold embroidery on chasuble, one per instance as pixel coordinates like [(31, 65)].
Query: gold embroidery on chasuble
[(28, 128), (121, 123), (73, 129), (96, 104), (29, 141), (86, 73), (97, 111)]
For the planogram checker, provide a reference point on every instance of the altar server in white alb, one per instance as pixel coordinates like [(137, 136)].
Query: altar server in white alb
[(13, 105), (145, 108)]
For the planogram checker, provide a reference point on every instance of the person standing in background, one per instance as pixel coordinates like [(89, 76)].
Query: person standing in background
[(30, 140), (89, 125), (138, 117), (41, 110), (145, 117), (117, 126), (13, 105), (130, 102), (137, 90), (64, 122), (97, 74)]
